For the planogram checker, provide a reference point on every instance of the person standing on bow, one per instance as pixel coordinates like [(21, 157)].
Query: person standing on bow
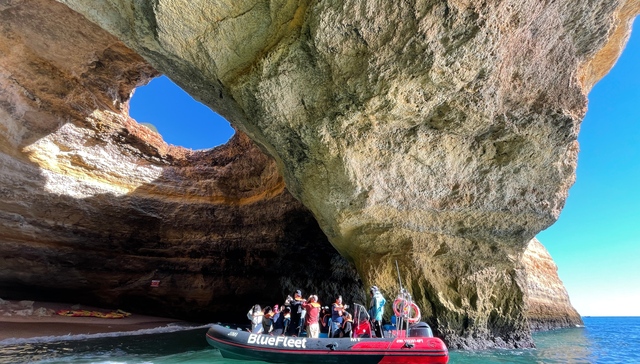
[(255, 314), (376, 310)]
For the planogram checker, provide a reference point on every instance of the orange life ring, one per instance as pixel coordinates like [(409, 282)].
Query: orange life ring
[(406, 309)]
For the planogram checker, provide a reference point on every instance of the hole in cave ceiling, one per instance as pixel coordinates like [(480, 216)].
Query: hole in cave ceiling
[(165, 108)]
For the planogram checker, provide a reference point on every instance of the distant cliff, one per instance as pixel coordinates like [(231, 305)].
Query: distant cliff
[(438, 134), (548, 305)]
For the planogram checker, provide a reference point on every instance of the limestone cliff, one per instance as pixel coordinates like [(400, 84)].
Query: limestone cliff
[(548, 305), (94, 207), (441, 134)]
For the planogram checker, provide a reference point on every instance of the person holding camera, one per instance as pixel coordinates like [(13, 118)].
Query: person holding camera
[(337, 311)]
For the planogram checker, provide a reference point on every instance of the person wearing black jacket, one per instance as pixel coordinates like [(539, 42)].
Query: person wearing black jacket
[(296, 313)]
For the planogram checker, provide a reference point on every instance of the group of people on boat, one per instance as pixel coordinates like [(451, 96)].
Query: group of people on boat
[(299, 316)]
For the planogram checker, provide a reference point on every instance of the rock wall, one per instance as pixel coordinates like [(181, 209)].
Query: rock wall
[(438, 134), (94, 207), (548, 304)]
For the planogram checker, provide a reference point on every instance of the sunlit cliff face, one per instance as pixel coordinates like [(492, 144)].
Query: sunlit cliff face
[(95, 206), (73, 170), (439, 135)]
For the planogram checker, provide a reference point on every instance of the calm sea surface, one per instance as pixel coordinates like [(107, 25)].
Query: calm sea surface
[(602, 340)]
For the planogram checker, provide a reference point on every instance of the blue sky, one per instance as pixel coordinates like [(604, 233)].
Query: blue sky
[(178, 117), (596, 240)]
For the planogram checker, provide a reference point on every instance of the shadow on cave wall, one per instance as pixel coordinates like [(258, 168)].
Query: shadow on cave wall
[(214, 257), (212, 262)]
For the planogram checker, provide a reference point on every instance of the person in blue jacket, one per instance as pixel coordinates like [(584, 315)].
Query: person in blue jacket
[(377, 310)]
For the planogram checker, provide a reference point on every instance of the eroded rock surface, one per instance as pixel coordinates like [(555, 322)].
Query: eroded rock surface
[(439, 134), (548, 303), (94, 207)]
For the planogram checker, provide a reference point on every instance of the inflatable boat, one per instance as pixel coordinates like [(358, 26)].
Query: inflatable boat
[(415, 344)]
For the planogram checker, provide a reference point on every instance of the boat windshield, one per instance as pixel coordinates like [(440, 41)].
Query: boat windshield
[(360, 314)]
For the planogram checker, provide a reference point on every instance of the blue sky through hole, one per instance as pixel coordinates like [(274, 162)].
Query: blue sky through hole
[(595, 242), (179, 118)]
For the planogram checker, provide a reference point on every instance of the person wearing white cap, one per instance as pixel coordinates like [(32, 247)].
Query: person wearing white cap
[(377, 310)]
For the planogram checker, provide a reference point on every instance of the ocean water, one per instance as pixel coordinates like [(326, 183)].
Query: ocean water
[(602, 340)]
